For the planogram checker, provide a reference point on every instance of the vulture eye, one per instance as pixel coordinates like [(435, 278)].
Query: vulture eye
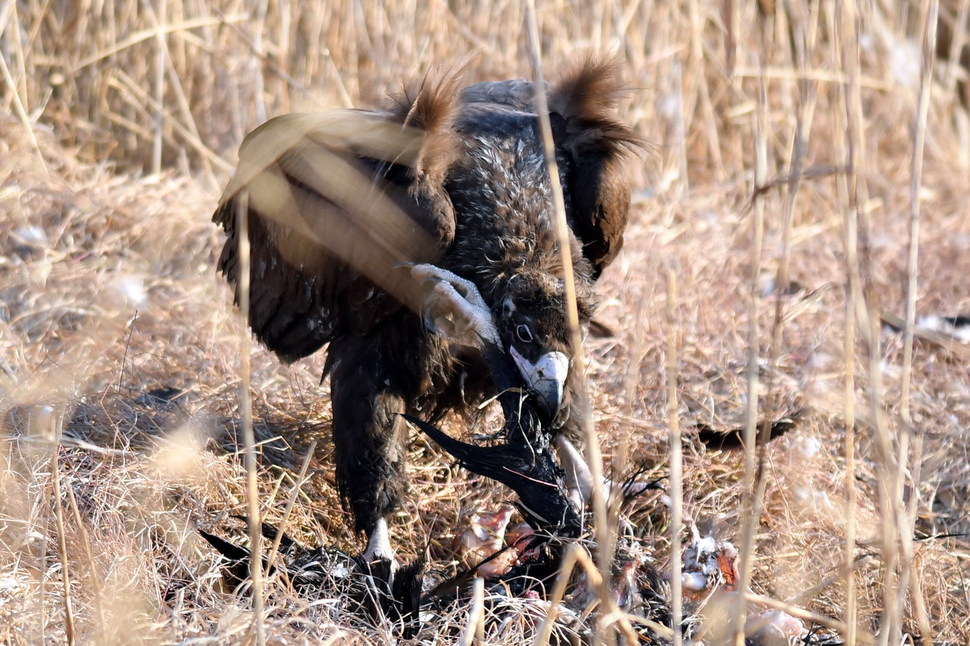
[(524, 333)]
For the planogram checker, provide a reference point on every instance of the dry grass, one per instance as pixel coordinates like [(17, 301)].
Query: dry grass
[(120, 122)]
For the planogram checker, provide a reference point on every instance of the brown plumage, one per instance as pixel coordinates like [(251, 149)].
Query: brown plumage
[(337, 202)]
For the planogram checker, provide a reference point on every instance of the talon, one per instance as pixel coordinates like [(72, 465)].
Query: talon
[(456, 300)]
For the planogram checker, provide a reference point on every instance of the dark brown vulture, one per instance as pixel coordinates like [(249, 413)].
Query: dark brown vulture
[(351, 214)]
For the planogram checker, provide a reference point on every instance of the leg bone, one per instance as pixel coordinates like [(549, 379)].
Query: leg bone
[(579, 477)]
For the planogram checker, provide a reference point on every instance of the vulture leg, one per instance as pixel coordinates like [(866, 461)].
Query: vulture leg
[(368, 398), (369, 437), (379, 544)]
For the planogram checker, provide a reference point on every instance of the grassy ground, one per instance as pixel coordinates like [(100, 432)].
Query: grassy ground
[(778, 196)]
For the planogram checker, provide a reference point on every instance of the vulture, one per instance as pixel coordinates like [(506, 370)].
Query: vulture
[(357, 219)]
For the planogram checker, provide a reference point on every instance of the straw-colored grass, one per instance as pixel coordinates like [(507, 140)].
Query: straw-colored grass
[(119, 123)]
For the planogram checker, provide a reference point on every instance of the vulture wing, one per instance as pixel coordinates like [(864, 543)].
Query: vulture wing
[(335, 202), (595, 143), (591, 143)]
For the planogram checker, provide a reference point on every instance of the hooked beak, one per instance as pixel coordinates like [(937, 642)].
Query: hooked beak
[(547, 377)]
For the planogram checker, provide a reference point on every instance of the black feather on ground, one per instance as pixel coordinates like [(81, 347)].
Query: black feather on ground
[(379, 589), (731, 439)]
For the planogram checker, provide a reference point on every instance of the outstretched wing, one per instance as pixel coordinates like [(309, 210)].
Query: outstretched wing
[(335, 202)]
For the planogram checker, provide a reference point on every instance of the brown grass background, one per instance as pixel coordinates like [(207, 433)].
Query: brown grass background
[(119, 123)]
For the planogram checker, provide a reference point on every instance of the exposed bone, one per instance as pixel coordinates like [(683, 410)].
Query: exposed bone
[(579, 477)]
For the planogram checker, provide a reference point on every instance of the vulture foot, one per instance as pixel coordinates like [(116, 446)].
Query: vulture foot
[(395, 591), (454, 308), (379, 586)]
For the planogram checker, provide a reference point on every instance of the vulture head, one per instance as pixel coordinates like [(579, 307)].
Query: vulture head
[(531, 321)]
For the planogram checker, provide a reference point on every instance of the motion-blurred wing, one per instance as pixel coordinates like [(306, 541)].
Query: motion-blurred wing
[(335, 202)]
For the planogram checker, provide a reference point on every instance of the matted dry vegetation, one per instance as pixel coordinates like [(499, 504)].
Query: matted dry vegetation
[(119, 347)]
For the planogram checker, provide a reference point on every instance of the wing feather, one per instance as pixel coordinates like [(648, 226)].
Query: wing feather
[(335, 203), (593, 140), (597, 143)]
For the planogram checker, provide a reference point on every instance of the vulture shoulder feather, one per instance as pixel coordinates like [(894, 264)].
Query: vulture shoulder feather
[(588, 135)]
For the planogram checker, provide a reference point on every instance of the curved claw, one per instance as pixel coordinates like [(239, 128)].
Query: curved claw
[(463, 286), (453, 307)]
